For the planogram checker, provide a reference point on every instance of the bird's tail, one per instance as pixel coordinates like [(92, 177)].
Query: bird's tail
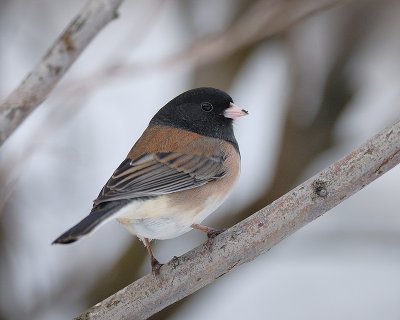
[(88, 224)]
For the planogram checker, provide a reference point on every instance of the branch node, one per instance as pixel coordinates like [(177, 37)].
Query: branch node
[(174, 263), (320, 188)]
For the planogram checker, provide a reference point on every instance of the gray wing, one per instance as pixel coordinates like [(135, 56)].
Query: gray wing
[(160, 173)]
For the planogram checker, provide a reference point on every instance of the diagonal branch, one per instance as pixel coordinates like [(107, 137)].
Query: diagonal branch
[(255, 235), (38, 83), (265, 18)]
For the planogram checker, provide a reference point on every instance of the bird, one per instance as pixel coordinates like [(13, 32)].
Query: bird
[(178, 172)]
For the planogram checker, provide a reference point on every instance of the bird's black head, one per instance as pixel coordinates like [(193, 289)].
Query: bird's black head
[(205, 111)]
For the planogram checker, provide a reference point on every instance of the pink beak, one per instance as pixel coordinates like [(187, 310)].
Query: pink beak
[(235, 111)]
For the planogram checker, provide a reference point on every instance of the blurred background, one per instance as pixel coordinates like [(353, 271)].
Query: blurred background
[(318, 78)]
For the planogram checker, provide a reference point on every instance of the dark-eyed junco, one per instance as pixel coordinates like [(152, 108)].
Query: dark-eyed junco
[(179, 171)]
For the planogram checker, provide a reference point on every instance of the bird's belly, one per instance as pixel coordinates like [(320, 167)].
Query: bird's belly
[(159, 219), (158, 228)]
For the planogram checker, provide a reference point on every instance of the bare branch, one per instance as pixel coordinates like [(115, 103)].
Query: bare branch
[(262, 20), (265, 18), (255, 235), (38, 84)]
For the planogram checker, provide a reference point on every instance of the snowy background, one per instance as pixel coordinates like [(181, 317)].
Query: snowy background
[(314, 91)]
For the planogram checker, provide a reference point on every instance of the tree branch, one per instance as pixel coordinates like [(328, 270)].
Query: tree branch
[(38, 83), (265, 18), (255, 235)]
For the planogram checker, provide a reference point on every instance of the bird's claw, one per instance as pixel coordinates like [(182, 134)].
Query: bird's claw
[(212, 233), (155, 266)]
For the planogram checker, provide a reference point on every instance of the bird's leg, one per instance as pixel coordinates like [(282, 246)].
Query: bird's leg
[(155, 265), (211, 232)]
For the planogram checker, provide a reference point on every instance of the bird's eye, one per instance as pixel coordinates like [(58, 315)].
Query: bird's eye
[(206, 106)]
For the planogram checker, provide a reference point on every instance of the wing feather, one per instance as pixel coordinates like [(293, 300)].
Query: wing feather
[(160, 173)]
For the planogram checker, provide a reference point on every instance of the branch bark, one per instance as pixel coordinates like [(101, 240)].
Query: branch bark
[(255, 235), (41, 80)]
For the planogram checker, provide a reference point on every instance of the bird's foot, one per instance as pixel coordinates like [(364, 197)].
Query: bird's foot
[(212, 233), (155, 266)]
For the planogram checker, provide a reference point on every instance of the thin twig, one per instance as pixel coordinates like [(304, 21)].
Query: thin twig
[(257, 234), (41, 80), (265, 18)]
